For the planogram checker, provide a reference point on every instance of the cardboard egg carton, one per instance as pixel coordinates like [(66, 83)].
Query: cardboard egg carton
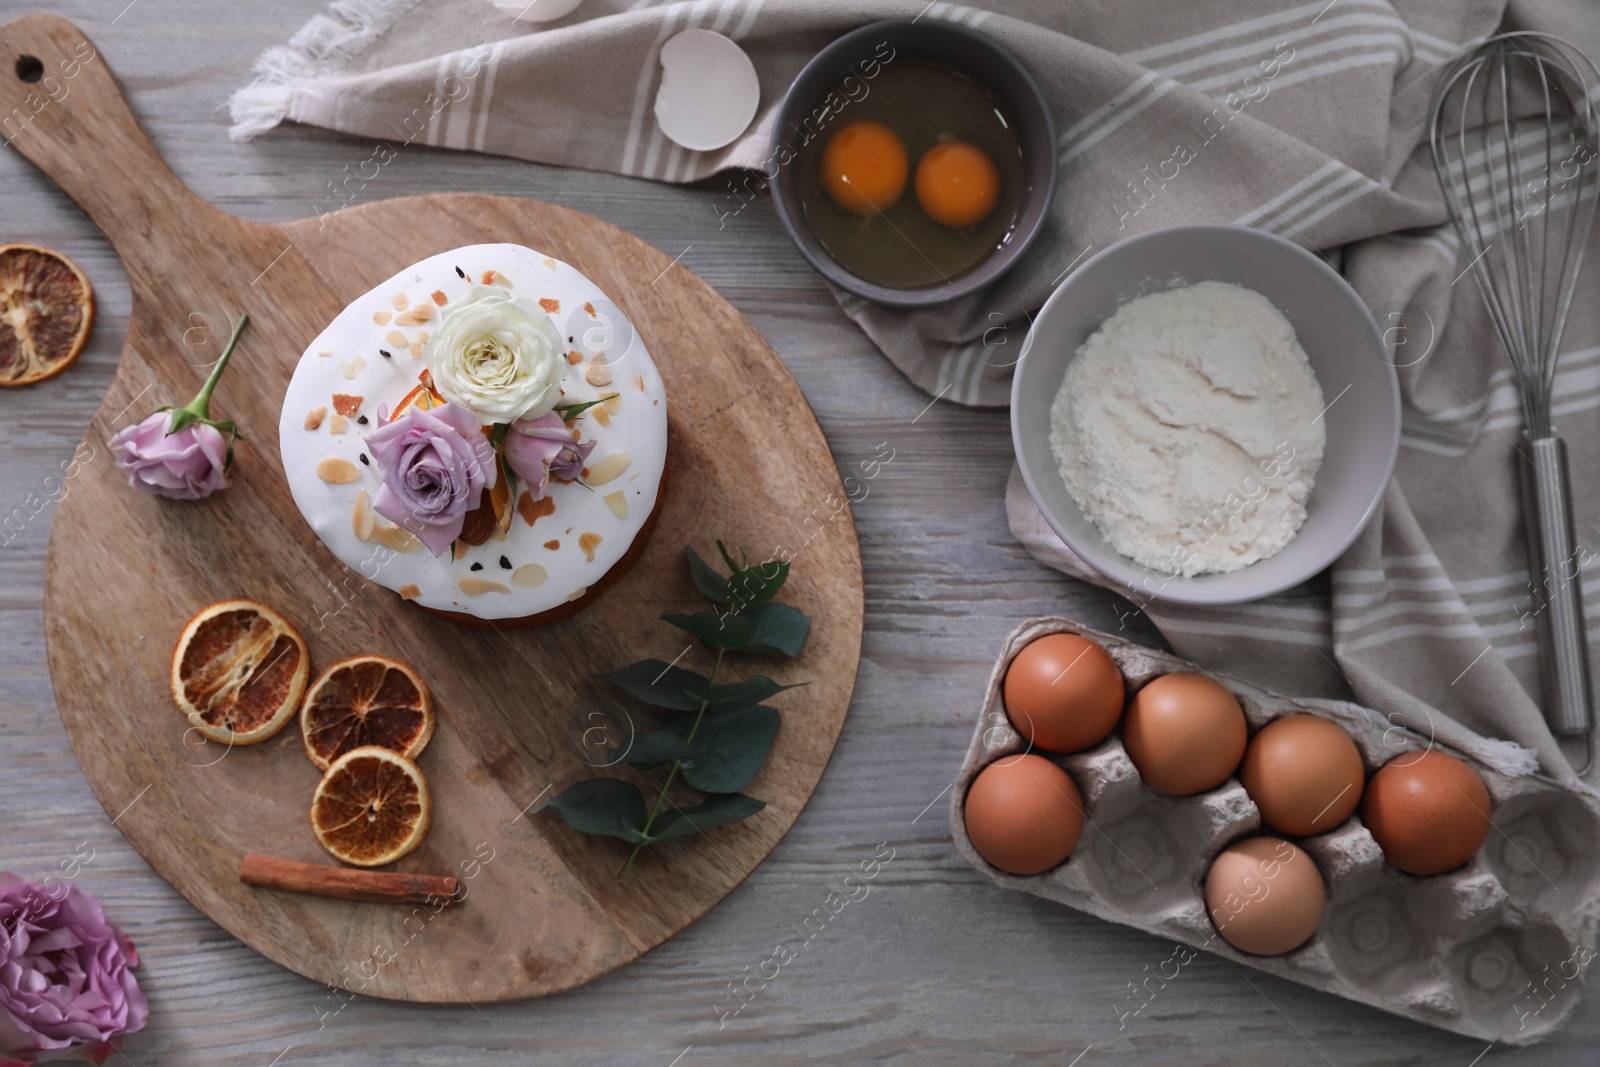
[(1496, 950)]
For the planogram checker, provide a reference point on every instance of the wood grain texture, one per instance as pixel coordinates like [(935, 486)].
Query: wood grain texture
[(520, 716), (967, 973)]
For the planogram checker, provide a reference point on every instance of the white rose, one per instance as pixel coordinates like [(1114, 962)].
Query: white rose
[(498, 356)]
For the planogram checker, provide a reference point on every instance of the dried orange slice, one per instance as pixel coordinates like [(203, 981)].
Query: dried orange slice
[(238, 671), (371, 808), (46, 311), (366, 700)]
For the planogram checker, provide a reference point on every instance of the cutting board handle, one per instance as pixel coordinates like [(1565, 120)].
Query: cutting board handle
[(62, 109)]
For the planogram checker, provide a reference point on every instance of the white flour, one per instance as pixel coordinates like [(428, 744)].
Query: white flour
[(1187, 429)]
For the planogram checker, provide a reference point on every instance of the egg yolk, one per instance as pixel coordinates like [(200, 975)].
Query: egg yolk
[(957, 184), (864, 167)]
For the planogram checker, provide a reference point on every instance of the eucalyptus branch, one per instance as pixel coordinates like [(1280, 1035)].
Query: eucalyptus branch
[(677, 764), (716, 735)]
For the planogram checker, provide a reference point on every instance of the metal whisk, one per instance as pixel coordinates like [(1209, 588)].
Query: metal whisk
[(1514, 145)]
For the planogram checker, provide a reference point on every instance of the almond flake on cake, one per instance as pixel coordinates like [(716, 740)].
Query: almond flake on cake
[(337, 470), (608, 468), (529, 576), (475, 586)]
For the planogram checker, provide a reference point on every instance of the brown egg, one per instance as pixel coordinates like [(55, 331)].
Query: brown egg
[(1428, 811), (1185, 733), (1265, 896), (1304, 774), (1063, 693), (1024, 814)]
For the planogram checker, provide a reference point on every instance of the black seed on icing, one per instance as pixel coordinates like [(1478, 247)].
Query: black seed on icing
[(384, 353), (569, 340), (364, 458), (477, 567), (362, 419), (461, 272), (506, 563)]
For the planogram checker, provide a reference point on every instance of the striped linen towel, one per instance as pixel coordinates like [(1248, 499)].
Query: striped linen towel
[(1307, 120)]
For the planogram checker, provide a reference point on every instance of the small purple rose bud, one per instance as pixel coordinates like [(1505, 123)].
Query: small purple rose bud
[(536, 449), (182, 453), (186, 465)]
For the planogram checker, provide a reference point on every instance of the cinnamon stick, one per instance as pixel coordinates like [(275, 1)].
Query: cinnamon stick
[(346, 883)]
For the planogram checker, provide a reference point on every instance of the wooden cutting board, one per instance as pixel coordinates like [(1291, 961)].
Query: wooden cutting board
[(519, 717)]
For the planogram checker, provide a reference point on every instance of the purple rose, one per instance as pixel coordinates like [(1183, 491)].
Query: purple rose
[(538, 448), (186, 465), (182, 452), (65, 984), (435, 464)]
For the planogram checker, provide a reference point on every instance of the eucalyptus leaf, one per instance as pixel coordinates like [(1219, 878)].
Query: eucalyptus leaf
[(714, 629), (728, 750), (766, 630), (776, 630), (718, 809), (758, 584), (753, 690), (660, 684), (706, 579), (649, 749), (675, 689), (606, 806)]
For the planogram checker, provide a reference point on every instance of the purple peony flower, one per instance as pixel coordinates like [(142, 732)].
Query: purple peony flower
[(186, 465), (538, 448), (435, 464), (65, 984)]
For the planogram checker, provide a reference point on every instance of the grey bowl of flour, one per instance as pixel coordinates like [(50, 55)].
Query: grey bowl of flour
[(1359, 428)]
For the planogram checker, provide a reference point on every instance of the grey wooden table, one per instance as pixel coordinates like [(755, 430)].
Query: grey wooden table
[(934, 966)]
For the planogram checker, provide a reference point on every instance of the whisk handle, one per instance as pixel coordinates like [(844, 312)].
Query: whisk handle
[(1553, 565)]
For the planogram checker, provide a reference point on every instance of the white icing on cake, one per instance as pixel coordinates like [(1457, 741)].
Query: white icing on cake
[(346, 358)]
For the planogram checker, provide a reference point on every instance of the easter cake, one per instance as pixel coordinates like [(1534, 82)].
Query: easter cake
[(484, 433)]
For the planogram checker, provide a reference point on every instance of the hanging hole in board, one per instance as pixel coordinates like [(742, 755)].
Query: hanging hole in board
[(29, 68)]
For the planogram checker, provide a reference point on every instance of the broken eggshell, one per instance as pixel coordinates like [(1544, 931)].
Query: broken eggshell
[(536, 10), (709, 91)]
